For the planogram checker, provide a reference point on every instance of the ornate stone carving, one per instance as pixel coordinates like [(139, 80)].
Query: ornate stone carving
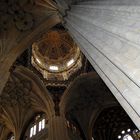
[(15, 102), (16, 12), (16, 92), (56, 56), (110, 123), (136, 134)]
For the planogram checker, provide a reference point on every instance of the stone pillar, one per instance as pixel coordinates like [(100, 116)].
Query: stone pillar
[(58, 129), (108, 33), (62, 4)]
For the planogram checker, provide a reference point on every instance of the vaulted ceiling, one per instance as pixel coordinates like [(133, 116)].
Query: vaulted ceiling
[(21, 23), (81, 98)]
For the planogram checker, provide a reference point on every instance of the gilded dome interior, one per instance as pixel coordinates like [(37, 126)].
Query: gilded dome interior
[(56, 55)]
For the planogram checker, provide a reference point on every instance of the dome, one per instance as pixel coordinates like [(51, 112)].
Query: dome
[(56, 55)]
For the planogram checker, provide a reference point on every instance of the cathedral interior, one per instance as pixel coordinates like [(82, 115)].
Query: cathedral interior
[(50, 89)]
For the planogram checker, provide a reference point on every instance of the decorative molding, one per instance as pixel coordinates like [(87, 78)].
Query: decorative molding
[(16, 92), (110, 123), (14, 11)]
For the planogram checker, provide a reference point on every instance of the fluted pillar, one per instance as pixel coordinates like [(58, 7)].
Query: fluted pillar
[(58, 129), (108, 33), (62, 6)]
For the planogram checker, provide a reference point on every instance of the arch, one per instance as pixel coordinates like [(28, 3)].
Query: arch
[(26, 94), (35, 121), (4, 132), (88, 93), (68, 93), (39, 89), (10, 58), (95, 115), (109, 123), (91, 78), (11, 136)]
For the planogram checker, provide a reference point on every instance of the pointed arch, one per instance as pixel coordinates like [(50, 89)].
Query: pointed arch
[(87, 94), (38, 91), (10, 58), (23, 94)]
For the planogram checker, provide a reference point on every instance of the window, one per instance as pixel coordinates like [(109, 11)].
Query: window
[(11, 137), (126, 135), (54, 68), (33, 131), (39, 124), (69, 63)]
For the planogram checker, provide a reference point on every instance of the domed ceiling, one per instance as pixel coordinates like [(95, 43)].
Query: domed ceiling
[(56, 55)]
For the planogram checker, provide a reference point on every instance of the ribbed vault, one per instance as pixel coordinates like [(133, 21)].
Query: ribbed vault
[(107, 33), (21, 23), (23, 94), (110, 123), (85, 97)]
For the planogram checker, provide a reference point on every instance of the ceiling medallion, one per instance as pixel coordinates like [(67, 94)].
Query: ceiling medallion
[(56, 56)]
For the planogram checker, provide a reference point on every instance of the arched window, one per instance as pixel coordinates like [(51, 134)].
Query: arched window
[(126, 135), (11, 136), (39, 123), (38, 126), (113, 123)]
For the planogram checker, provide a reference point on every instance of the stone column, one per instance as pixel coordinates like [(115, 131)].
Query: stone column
[(108, 33), (62, 3), (58, 129)]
